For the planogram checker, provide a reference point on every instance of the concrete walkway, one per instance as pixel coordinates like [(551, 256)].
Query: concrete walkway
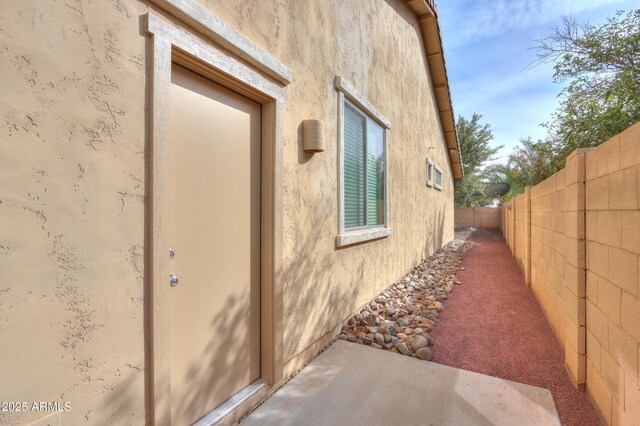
[(351, 384)]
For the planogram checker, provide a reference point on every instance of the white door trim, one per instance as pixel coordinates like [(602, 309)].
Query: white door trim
[(172, 43), (226, 36)]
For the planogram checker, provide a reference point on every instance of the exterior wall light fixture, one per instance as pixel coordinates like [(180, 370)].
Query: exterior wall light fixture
[(313, 135)]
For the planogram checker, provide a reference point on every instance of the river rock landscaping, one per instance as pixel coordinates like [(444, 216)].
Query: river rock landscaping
[(401, 317)]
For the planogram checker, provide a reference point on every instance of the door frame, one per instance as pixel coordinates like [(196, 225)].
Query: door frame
[(171, 42)]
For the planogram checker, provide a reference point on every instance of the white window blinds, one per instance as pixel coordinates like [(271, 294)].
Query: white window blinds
[(364, 170)]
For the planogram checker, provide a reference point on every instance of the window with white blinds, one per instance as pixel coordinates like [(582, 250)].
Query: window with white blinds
[(364, 169)]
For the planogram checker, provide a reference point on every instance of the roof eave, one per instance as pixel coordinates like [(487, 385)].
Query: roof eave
[(427, 15)]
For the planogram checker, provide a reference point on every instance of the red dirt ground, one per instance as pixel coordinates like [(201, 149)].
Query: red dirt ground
[(492, 324)]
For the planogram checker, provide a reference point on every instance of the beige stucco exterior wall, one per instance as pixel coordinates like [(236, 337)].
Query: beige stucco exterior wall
[(585, 268), (322, 285), (73, 164), (72, 239)]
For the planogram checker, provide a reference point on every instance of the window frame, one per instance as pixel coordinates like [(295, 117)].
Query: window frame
[(430, 168), (349, 236), (367, 120), (437, 185)]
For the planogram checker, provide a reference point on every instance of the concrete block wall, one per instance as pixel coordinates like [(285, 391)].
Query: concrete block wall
[(508, 226), (478, 217), (522, 216), (503, 222), (613, 302), (558, 258), (512, 229), (515, 222), (582, 230), (463, 217), (506, 223)]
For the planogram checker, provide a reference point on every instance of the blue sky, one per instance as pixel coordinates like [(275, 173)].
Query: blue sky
[(487, 48)]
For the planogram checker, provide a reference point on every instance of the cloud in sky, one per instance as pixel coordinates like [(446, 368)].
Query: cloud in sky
[(491, 19), (488, 50), (479, 90)]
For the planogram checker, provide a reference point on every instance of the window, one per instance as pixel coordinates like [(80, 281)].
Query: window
[(429, 172), (363, 197), (434, 175), (364, 169), (438, 178)]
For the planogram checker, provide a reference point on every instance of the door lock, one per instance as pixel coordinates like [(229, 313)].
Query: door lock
[(173, 280), (171, 253)]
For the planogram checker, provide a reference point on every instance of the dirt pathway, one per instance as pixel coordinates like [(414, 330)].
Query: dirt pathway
[(492, 324)]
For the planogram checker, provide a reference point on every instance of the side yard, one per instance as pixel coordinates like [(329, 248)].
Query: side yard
[(576, 237), (494, 325)]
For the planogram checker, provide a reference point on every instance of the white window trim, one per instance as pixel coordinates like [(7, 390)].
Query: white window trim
[(431, 165), (357, 99), (435, 184), (345, 236)]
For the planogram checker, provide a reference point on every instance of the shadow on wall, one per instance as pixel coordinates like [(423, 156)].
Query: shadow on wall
[(321, 290), (122, 400), (208, 378), (431, 246), (312, 303), (316, 299), (303, 156)]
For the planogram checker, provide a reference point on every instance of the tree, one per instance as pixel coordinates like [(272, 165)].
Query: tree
[(475, 151), (529, 164), (602, 66)]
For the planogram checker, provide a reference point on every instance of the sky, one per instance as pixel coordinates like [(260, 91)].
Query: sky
[(487, 45)]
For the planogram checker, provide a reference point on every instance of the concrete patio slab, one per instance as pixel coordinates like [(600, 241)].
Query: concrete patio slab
[(351, 384)]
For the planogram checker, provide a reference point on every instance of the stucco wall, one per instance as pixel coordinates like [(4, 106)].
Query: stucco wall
[(376, 45), (72, 167), (72, 161)]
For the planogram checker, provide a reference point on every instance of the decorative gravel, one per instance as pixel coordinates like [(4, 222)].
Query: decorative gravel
[(401, 317)]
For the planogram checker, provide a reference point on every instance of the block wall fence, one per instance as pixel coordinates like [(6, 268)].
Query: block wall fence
[(576, 237), (478, 217)]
